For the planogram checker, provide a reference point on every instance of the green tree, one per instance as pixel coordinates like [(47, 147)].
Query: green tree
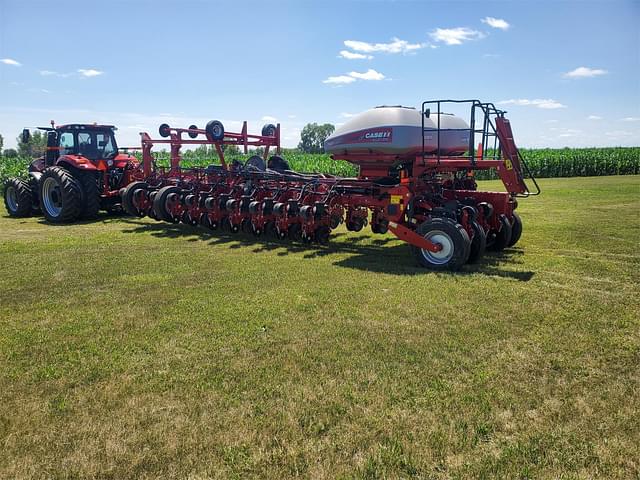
[(313, 136), (34, 147), (1, 143), (10, 153)]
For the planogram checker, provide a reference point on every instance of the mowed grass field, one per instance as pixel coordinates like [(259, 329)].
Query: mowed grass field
[(136, 349)]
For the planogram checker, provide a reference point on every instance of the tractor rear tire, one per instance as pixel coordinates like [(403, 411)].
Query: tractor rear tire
[(60, 195), (18, 198), (478, 243), (454, 240), (503, 237), (516, 229), (160, 203), (90, 194)]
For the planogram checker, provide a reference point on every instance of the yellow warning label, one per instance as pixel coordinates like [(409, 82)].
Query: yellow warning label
[(508, 165), (396, 198)]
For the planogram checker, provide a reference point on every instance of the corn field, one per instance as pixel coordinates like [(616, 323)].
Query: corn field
[(543, 163)]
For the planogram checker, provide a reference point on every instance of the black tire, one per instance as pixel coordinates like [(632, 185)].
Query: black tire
[(90, 194), (160, 203), (516, 229), (478, 243), (269, 130), (193, 134), (457, 245), (215, 130), (503, 237), (127, 198), (60, 195), (164, 130), (18, 197)]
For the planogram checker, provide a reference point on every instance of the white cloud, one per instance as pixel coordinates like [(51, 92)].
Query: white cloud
[(496, 23), (395, 46), (594, 117), (631, 119), (351, 77), (339, 79), (354, 56), (547, 103), (455, 36), (347, 115), (89, 72), (11, 61), (370, 74), (268, 118), (292, 116), (585, 72)]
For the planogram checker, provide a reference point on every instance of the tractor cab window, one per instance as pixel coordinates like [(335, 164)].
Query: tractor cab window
[(87, 145), (67, 144), (106, 145)]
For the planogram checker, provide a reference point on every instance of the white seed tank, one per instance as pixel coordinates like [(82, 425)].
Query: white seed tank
[(398, 131)]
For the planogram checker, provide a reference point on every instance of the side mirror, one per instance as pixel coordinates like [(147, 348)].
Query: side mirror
[(427, 112), (26, 135)]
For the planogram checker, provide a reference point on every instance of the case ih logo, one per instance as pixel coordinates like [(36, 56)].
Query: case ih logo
[(378, 135)]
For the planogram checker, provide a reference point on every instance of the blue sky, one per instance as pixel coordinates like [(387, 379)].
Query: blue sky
[(567, 72)]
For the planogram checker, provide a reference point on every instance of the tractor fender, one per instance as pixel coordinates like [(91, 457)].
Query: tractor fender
[(76, 161)]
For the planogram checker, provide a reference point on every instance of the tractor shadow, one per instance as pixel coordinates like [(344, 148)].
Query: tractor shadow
[(365, 252)]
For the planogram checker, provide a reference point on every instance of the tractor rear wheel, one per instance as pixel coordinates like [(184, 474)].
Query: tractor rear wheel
[(18, 197), (516, 229), (453, 239), (161, 202), (60, 195), (503, 237), (90, 194), (478, 243)]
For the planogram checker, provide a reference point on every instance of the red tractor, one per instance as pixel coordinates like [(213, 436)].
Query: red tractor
[(80, 173)]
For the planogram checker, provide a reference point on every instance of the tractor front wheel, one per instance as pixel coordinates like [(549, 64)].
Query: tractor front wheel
[(18, 198), (60, 195), (453, 240)]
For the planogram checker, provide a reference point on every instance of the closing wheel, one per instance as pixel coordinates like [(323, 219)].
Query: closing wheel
[(18, 197), (295, 232), (322, 234), (215, 130), (193, 134), (164, 130), (60, 195), (478, 243), (453, 240), (163, 202), (516, 230), (501, 238)]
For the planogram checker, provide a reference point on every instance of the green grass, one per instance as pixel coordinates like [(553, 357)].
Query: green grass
[(135, 349)]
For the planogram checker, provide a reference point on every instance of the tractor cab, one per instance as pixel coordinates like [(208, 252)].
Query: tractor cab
[(91, 142)]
